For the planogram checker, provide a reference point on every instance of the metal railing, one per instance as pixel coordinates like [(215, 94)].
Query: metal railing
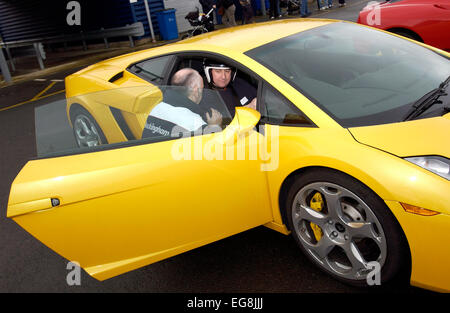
[(37, 44)]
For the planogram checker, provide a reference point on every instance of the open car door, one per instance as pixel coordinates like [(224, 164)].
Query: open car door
[(117, 207)]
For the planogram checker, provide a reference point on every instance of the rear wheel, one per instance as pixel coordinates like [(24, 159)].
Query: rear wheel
[(86, 130), (345, 228)]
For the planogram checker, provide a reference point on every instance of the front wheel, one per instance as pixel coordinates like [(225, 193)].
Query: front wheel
[(344, 228)]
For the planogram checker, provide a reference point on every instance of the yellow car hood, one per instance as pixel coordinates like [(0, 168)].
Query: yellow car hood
[(428, 136)]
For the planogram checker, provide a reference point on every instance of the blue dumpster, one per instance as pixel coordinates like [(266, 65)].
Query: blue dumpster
[(167, 24)]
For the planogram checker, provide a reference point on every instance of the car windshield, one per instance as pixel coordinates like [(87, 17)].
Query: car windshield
[(358, 75)]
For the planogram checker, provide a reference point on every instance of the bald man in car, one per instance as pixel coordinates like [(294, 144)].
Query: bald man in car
[(180, 107), (193, 82)]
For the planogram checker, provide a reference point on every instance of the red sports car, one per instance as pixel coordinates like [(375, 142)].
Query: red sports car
[(427, 21)]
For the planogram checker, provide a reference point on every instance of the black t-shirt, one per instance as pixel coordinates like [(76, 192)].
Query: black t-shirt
[(238, 93), (206, 5), (225, 3)]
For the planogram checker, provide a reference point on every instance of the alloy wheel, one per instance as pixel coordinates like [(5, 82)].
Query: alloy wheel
[(86, 133), (338, 230)]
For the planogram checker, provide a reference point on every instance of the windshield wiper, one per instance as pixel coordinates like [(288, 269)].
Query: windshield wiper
[(427, 101)]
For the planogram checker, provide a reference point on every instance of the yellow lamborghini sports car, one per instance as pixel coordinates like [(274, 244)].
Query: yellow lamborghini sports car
[(347, 149)]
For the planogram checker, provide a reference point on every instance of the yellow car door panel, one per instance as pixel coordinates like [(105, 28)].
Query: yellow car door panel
[(120, 209)]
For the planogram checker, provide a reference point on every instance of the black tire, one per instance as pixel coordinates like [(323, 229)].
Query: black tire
[(390, 252), (199, 32), (407, 34), (94, 136)]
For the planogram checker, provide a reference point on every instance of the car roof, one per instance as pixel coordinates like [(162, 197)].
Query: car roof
[(238, 39), (246, 37)]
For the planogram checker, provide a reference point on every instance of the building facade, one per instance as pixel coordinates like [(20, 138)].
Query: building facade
[(30, 19)]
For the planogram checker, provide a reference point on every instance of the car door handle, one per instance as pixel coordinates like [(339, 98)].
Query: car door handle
[(32, 206)]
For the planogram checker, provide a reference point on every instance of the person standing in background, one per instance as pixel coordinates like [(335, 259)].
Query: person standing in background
[(328, 4), (322, 5), (304, 12), (247, 11), (229, 9), (275, 9), (207, 5)]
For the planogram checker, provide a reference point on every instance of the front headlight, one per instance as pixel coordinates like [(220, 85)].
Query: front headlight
[(435, 164)]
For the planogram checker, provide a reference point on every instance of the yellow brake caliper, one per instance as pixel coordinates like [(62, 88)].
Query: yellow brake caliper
[(316, 204)]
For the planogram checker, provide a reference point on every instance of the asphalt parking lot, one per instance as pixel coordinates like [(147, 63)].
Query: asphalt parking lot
[(259, 260)]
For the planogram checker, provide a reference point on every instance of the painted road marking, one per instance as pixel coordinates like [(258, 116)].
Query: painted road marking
[(43, 91), (32, 100), (45, 79)]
